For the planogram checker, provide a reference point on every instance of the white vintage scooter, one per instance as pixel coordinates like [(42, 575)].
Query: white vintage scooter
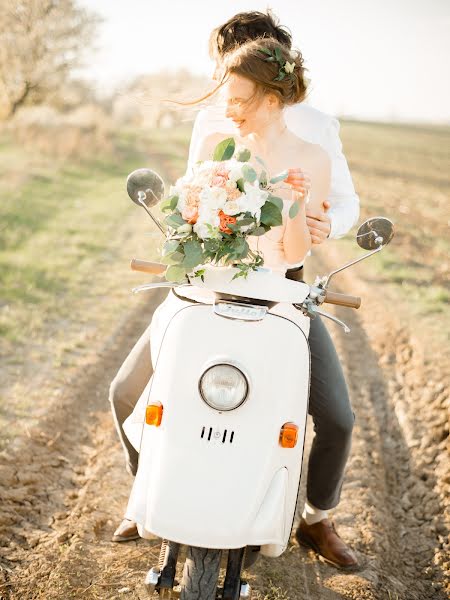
[(223, 427)]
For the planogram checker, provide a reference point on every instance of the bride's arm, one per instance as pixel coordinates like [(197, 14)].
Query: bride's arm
[(297, 238)]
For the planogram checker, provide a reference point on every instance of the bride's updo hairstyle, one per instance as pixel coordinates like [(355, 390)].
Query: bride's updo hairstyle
[(271, 66)]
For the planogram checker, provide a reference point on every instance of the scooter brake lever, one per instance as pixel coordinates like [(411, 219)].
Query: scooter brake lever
[(345, 327)]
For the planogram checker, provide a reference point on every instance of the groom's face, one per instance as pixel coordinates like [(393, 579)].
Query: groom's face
[(249, 112)]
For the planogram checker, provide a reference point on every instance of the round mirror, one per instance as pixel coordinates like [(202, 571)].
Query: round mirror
[(145, 185), (375, 232)]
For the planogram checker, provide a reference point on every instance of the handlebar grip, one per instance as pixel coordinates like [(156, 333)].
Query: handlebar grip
[(342, 299), (147, 267)]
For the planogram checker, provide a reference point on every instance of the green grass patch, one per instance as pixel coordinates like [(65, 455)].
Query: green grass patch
[(59, 222)]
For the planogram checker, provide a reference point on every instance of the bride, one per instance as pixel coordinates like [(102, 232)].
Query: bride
[(256, 91), (258, 80)]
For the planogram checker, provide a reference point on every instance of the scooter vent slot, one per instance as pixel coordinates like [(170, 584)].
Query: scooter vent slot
[(208, 433)]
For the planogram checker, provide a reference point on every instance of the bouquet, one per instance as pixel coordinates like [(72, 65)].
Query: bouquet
[(211, 213)]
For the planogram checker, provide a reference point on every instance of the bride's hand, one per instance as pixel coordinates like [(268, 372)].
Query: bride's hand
[(299, 182)]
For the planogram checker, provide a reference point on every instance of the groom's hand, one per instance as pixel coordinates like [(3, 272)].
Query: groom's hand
[(319, 224)]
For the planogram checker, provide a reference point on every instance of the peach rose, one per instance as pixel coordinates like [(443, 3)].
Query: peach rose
[(218, 181), (190, 214), (233, 194), (225, 220), (222, 171), (193, 195)]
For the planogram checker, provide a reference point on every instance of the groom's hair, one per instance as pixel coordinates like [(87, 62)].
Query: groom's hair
[(244, 27)]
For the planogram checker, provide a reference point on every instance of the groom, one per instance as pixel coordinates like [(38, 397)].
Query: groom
[(329, 403)]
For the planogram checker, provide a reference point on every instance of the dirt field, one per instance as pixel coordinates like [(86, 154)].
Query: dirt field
[(64, 486)]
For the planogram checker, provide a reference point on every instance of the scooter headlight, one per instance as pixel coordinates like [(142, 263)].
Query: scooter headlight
[(223, 387)]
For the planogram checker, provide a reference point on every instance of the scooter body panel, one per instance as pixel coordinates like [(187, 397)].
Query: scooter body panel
[(221, 479)]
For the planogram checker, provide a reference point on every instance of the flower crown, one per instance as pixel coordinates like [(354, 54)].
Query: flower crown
[(285, 67)]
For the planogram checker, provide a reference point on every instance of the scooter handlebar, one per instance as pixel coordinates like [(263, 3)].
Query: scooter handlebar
[(342, 299), (147, 267)]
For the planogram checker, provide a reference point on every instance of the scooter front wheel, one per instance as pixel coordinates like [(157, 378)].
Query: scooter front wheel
[(200, 574)]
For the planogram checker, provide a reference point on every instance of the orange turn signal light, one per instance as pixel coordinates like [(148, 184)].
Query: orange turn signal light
[(289, 435), (153, 414)]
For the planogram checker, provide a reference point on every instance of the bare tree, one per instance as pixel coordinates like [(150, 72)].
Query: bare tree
[(41, 41)]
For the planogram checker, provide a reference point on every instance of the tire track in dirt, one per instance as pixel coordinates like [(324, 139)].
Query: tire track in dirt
[(66, 494)]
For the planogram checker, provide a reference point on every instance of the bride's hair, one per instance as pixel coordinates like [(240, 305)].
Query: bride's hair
[(262, 61), (246, 26), (250, 60)]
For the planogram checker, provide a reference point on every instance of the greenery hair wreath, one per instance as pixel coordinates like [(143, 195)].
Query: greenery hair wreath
[(286, 68)]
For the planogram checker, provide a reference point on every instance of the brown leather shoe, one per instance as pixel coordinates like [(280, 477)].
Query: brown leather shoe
[(323, 538), (126, 532)]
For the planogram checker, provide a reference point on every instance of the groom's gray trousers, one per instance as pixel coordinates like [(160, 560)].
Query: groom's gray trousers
[(329, 406)]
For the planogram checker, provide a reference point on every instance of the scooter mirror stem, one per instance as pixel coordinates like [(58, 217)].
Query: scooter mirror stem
[(350, 264), (141, 200)]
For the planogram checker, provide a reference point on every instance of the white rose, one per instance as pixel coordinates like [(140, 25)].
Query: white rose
[(201, 227), (255, 198), (235, 173), (231, 207), (213, 197), (206, 215), (230, 185), (181, 200)]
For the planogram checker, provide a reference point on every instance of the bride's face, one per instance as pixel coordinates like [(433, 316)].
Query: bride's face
[(250, 114)]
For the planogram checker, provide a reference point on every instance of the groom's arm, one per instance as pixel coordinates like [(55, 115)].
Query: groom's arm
[(343, 201)]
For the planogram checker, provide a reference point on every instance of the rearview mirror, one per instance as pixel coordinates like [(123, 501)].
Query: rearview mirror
[(375, 233), (144, 186)]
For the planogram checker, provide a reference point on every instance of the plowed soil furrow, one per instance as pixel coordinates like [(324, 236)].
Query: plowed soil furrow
[(65, 493)]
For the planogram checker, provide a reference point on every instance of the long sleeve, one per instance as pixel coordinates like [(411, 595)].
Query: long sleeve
[(195, 141), (344, 210), (208, 121)]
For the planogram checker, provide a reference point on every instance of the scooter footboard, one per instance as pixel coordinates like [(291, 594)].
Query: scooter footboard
[(221, 479)]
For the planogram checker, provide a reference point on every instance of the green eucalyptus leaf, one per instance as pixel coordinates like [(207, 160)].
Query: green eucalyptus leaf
[(266, 51), (240, 185), (193, 254), (249, 173), (175, 258), (280, 177), (175, 220), (293, 211), (176, 273), (168, 204), (170, 247), (278, 54), (243, 155), (277, 201), (258, 231), (245, 221), (263, 179), (271, 215), (224, 150)]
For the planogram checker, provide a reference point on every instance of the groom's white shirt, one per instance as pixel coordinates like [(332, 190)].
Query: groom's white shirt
[(313, 126)]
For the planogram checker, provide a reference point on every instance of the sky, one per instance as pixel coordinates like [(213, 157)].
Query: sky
[(368, 59)]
